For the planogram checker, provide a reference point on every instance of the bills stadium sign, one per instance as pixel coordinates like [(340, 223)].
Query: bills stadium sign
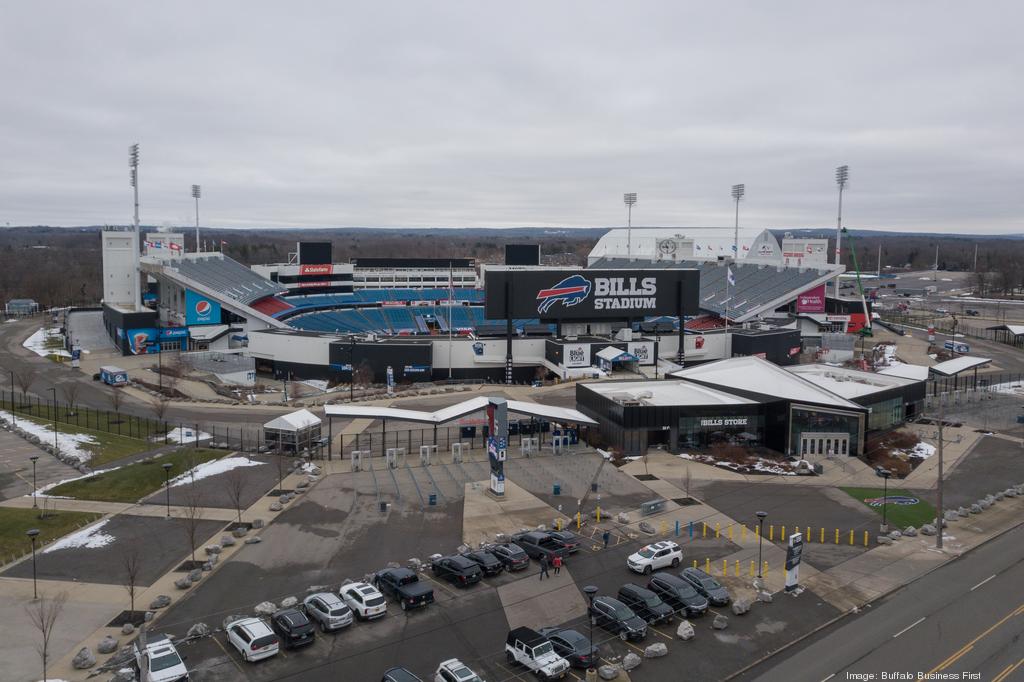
[(559, 294)]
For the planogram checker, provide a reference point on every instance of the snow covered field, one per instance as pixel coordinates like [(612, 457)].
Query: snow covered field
[(91, 537), (70, 444), (207, 469), (37, 342)]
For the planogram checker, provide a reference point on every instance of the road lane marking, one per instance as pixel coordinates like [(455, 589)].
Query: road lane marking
[(829, 677), (954, 658), (982, 582), (916, 622), (1007, 671), (653, 629), (230, 657), (967, 647)]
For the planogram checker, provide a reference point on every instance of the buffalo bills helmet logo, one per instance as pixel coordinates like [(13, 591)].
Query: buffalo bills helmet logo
[(203, 307), (901, 500), (569, 292)]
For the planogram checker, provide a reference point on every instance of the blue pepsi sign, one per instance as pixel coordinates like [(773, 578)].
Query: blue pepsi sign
[(200, 310)]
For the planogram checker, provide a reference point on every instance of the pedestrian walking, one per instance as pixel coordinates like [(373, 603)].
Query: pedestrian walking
[(544, 566), (557, 563), (606, 536)]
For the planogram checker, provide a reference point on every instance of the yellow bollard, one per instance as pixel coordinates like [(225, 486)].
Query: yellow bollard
[(695, 563), (865, 538), (704, 529), (807, 535), (757, 531), (579, 521), (599, 514), (707, 565), (558, 525), (837, 536), (737, 568), (751, 568), (765, 572), (725, 568), (743, 532), (730, 532), (664, 527), (783, 533), (771, 533), (851, 538), (718, 528), (822, 540)]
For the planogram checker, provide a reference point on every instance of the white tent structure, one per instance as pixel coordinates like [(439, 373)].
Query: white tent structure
[(292, 432), (452, 412)]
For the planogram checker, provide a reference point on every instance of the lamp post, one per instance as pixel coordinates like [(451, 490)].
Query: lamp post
[(842, 177), (629, 198), (885, 497), (197, 192), (32, 535), (14, 406), (167, 484), (590, 591), (760, 538), (56, 450), (737, 193), (35, 504)]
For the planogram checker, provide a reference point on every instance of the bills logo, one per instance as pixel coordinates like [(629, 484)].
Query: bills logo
[(901, 500), (569, 292), (203, 308)]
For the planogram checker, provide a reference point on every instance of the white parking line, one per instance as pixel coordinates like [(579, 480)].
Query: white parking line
[(916, 622), (982, 582), (829, 677)]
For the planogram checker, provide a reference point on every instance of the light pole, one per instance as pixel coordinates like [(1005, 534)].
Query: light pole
[(885, 497), (56, 450), (167, 483), (32, 535), (737, 193), (133, 165), (842, 177), (590, 591), (630, 199), (197, 192), (760, 538), (14, 406), (35, 504)]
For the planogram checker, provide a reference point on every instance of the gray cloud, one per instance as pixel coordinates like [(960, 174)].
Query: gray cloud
[(470, 113)]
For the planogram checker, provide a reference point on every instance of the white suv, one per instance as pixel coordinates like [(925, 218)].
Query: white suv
[(364, 599), (652, 557), (253, 638), (159, 661)]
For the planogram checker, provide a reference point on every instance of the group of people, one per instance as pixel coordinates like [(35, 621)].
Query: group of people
[(556, 561)]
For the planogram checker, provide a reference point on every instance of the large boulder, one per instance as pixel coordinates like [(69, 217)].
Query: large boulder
[(622, 518), (685, 631), (229, 620), (123, 675), (253, 540), (999, 496), (227, 541), (84, 659), (656, 650), (883, 540), (608, 672), (1010, 492), (630, 661), (107, 645), (198, 630), (265, 608), (764, 596), (211, 550), (740, 606), (928, 529), (127, 629), (195, 575), (976, 508), (646, 527), (183, 583), (895, 535), (910, 531), (984, 504), (162, 601), (951, 515), (275, 506), (289, 602), (963, 512), (720, 622)]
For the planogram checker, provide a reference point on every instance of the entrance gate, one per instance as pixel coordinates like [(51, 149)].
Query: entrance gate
[(824, 444)]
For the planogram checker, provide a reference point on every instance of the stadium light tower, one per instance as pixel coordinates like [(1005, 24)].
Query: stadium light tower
[(842, 177), (629, 198), (133, 165), (197, 192), (737, 193)]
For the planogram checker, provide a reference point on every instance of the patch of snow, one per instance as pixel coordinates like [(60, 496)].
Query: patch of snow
[(70, 444), (207, 469), (49, 486), (685, 455), (37, 342), (184, 435), (90, 537), (922, 450), (318, 384)]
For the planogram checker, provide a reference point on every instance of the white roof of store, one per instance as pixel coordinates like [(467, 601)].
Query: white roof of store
[(957, 365), (447, 414), (293, 421), (902, 369), (846, 382), (751, 373), (665, 393)]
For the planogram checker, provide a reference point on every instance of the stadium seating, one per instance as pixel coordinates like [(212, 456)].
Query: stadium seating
[(227, 277)]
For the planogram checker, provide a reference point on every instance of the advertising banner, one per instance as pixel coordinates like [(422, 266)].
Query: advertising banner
[(580, 294), (200, 310), (643, 351), (794, 553), (391, 380), (576, 355), (812, 300), (318, 269)]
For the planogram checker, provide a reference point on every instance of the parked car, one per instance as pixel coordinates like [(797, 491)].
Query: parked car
[(364, 599), (510, 555), (528, 648), (537, 544), (159, 661), (293, 628), (706, 586), (678, 593), (399, 675), (405, 586), (572, 646), (328, 610), (650, 558), (253, 638), (488, 563), (454, 670), (645, 603), (457, 570), (971, 312), (569, 540), (617, 618)]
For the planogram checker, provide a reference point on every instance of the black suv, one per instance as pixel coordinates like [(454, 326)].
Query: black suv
[(457, 569), (678, 593), (488, 563), (706, 586), (404, 586), (645, 603), (399, 675), (293, 628), (572, 646), (510, 555), (616, 617)]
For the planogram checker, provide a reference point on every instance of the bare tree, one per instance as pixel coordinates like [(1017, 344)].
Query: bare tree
[(192, 517), (131, 564), (363, 374), (159, 405), (686, 481), (234, 485), (116, 400), (280, 461), (44, 614), (25, 375), (70, 389)]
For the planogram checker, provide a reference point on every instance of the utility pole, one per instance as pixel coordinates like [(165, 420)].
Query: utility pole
[(629, 198), (938, 511), (879, 260), (975, 257), (842, 177)]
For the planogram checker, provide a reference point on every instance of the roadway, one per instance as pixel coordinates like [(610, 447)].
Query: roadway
[(966, 618)]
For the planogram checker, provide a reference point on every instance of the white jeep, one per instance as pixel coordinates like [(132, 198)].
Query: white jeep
[(529, 648)]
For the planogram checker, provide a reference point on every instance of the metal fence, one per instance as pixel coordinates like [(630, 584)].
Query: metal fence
[(941, 325)]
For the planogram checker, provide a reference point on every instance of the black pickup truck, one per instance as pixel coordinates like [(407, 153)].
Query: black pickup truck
[(537, 544), (405, 586)]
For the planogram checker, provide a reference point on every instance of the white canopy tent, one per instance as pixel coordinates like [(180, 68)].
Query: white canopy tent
[(292, 432)]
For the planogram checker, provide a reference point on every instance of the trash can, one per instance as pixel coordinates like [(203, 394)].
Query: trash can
[(593, 487), (432, 499), (383, 507), (556, 489)]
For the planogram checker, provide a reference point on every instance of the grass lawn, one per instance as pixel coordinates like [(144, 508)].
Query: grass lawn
[(14, 523), (134, 481), (897, 515), (107, 446)]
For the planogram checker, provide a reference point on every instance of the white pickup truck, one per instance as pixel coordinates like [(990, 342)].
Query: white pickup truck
[(530, 649)]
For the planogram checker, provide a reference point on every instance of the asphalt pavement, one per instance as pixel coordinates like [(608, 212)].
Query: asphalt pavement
[(965, 618)]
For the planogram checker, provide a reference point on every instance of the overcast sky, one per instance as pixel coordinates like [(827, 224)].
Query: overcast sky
[(423, 114)]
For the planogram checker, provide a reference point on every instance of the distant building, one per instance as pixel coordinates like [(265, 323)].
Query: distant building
[(17, 307)]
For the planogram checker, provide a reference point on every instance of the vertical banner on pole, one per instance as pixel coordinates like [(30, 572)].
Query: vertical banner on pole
[(497, 442), (793, 555)]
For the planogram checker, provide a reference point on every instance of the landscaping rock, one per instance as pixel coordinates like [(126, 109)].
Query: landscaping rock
[(883, 540), (462, 549), (162, 601), (289, 602), (630, 661), (315, 471), (1010, 492), (302, 484), (764, 596), (720, 623), (928, 529), (207, 566), (148, 617), (963, 512), (198, 630), (84, 659), (895, 535), (951, 515), (214, 559), (990, 499), (414, 564), (999, 496), (740, 606), (286, 498), (656, 650), (257, 523), (123, 675), (685, 631), (645, 527), (195, 575), (183, 583), (265, 608), (229, 620), (227, 541), (984, 504), (211, 550), (500, 538), (107, 645), (910, 531), (127, 629), (623, 518), (253, 540), (275, 506), (608, 672)]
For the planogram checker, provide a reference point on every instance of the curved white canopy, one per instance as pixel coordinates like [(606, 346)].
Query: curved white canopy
[(452, 412)]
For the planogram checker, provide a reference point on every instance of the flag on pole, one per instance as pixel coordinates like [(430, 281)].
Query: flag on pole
[(730, 276), (174, 247)]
